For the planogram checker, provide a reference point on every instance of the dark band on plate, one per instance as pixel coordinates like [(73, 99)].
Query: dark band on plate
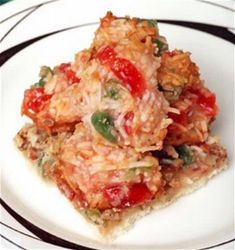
[(217, 31), (24, 10), (51, 1), (218, 245), (18, 231), (32, 9), (44, 235), (216, 5), (12, 242), (7, 54), (52, 239), (18, 22)]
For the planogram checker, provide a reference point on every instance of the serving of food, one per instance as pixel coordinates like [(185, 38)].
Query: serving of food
[(125, 127)]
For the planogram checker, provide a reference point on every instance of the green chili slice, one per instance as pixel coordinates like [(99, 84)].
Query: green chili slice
[(103, 124), (161, 44), (44, 74), (152, 22), (185, 154)]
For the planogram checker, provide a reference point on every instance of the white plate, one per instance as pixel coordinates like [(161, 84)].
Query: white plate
[(200, 220)]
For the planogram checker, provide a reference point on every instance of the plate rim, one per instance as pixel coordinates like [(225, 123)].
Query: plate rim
[(46, 236)]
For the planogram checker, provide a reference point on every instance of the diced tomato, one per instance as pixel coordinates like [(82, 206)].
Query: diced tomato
[(129, 75), (181, 118), (64, 66), (70, 74), (128, 121), (206, 100), (124, 70), (173, 128), (139, 193), (107, 55), (200, 100), (72, 77), (122, 196), (34, 100)]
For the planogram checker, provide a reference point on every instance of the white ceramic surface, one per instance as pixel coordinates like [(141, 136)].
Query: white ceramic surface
[(202, 219)]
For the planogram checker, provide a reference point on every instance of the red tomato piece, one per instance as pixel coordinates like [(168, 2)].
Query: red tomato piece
[(34, 100), (129, 75), (139, 193), (172, 128), (70, 74), (121, 196), (107, 55), (124, 70), (72, 77), (181, 118), (206, 100), (128, 121), (64, 66)]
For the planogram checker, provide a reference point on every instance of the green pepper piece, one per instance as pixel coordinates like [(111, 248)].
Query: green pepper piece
[(103, 124), (112, 89), (161, 44), (152, 22), (39, 84), (45, 73), (185, 154), (111, 93), (94, 215), (40, 163)]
